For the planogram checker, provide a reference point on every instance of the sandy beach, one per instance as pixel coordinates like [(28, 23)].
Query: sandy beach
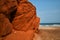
[(48, 33)]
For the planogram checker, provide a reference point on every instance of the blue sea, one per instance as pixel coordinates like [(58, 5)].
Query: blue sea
[(50, 24)]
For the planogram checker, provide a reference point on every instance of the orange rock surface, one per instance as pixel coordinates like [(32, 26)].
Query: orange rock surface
[(25, 16), (5, 26), (21, 35), (7, 7), (22, 23)]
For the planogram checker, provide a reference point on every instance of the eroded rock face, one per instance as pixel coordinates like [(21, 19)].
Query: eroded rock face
[(7, 7), (25, 18), (5, 26), (22, 1), (7, 10), (19, 15)]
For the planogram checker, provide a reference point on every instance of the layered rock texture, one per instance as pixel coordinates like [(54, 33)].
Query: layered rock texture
[(25, 17), (5, 26), (18, 20)]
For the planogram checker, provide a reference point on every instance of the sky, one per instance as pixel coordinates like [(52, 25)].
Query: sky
[(47, 10)]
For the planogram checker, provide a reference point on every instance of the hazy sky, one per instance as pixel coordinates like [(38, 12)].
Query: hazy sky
[(48, 10)]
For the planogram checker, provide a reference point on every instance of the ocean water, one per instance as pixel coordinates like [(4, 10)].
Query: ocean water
[(50, 24)]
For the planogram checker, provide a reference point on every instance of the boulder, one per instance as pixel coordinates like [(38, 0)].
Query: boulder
[(18, 20), (25, 16)]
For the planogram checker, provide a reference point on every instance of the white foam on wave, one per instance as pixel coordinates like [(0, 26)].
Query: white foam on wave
[(53, 27), (49, 26)]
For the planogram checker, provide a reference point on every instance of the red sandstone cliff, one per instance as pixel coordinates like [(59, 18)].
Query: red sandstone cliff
[(20, 16)]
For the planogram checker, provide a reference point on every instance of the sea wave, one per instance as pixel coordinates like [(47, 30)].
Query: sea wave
[(55, 25)]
